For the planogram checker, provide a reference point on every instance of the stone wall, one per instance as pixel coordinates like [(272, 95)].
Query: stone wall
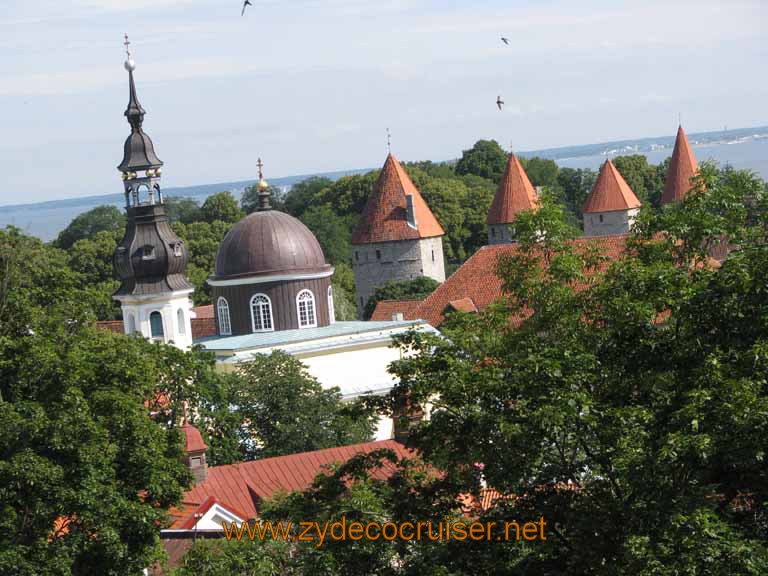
[(609, 223)]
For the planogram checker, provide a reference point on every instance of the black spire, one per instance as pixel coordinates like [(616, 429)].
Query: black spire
[(138, 151)]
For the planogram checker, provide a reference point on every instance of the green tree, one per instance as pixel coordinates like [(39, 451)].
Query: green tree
[(221, 207), (416, 289), (305, 194), (343, 282), (486, 158), (573, 188), (249, 201), (92, 258), (332, 231), (282, 409), (541, 171), (87, 224), (646, 180), (202, 240), (184, 210), (85, 474)]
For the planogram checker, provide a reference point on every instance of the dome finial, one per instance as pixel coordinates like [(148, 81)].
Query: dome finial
[(130, 65), (263, 189)]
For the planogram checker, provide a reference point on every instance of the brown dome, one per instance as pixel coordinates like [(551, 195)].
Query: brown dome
[(269, 243)]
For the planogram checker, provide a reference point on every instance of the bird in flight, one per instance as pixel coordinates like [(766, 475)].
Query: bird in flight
[(505, 40), (245, 5), (499, 102)]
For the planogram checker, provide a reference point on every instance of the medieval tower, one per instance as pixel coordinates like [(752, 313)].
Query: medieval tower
[(514, 195), (611, 207)]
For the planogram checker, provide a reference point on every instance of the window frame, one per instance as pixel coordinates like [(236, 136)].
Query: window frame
[(331, 307), (152, 336), (268, 303), (219, 301), (313, 302)]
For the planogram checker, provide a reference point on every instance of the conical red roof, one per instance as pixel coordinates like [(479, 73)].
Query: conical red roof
[(611, 192), (682, 168), (384, 217), (193, 440), (515, 194)]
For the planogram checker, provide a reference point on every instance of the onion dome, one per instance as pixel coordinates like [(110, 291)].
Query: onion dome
[(610, 193), (682, 168), (268, 243), (514, 195)]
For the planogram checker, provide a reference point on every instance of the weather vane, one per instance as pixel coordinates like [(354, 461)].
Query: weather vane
[(260, 164), (127, 45), (389, 141)]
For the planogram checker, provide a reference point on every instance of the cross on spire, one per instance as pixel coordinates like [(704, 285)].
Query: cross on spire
[(127, 45), (389, 141), (260, 164)]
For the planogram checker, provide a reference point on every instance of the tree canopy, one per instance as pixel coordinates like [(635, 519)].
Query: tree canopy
[(102, 218), (416, 289)]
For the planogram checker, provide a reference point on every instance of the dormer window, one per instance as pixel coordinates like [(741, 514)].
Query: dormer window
[(177, 250), (148, 252)]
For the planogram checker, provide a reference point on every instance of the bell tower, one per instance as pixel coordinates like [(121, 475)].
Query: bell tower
[(150, 260)]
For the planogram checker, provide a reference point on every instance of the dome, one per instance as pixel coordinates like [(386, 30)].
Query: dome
[(269, 243)]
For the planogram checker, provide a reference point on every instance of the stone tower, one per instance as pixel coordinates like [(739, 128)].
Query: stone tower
[(150, 260), (398, 237), (514, 195), (682, 168), (611, 207)]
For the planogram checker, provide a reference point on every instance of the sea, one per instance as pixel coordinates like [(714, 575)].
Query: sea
[(745, 148)]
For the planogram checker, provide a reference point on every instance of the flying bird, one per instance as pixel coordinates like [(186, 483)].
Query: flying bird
[(245, 5), (499, 102), (505, 40)]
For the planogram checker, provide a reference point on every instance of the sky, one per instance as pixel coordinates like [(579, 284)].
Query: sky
[(313, 85)]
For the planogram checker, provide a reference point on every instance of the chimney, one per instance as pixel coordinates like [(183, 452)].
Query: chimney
[(194, 448), (410, 211)]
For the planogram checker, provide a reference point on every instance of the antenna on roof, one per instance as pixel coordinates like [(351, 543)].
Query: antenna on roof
[(389, 141), (679, 119)]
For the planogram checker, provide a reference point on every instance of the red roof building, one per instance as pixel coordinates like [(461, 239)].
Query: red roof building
[(385, 217), (611, 207), (514, 195), (475, 285), (682, 168)]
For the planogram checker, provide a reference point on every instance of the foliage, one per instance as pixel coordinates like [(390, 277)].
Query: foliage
[(101, 218), (183, 210), (249, 200), (646, 180), (332, 231), (281, 409), (343, 282), (541, 171), (92, 258), (246, 558), (416, 289), (221, 207), (486, 159), (305, 194), (85, 474), (202, 240)]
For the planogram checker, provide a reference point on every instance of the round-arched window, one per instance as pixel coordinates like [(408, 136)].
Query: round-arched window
[(331, 308), (156, 326), (222, 307), (261, 313), (305, 307)]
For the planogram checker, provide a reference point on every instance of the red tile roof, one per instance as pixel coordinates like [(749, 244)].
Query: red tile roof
[(611, 192), (682, 168), (477, 281), (386, 309), (243, 486), (514, 195), (193, 440), (463, 305), (384, 217)]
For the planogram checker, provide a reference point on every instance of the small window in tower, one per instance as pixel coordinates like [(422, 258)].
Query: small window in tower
[(156, 326), (305, 306), (493, 232), (148, 252), (433, 255), (601, 217), (181, 321), (378, 254), (357, 256), (177, 250)]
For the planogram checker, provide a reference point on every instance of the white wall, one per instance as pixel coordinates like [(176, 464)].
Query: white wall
[(608, 223), (137, 309)]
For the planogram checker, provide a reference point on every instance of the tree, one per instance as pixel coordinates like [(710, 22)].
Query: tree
[(249, 201), (184, 210), (222, 207), (87, 224), (416, 289), (85, 473), (486, 158), (281, 409), (332, 231), (305, 194), (646, 180), (202, 240), (343, 282), (609, 396), (541, 171), (573, 187)]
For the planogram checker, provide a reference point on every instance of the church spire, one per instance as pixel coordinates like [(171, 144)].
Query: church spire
[(138, 151), (514, 195)]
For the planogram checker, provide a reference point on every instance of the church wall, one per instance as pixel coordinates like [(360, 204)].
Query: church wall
[(283, 296)]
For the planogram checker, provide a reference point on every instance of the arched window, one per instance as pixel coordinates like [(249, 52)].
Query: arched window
[(156, 326), (261, 313), (131, 324), (222, 307), (331, 310), (180, 320), (305, 306)]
